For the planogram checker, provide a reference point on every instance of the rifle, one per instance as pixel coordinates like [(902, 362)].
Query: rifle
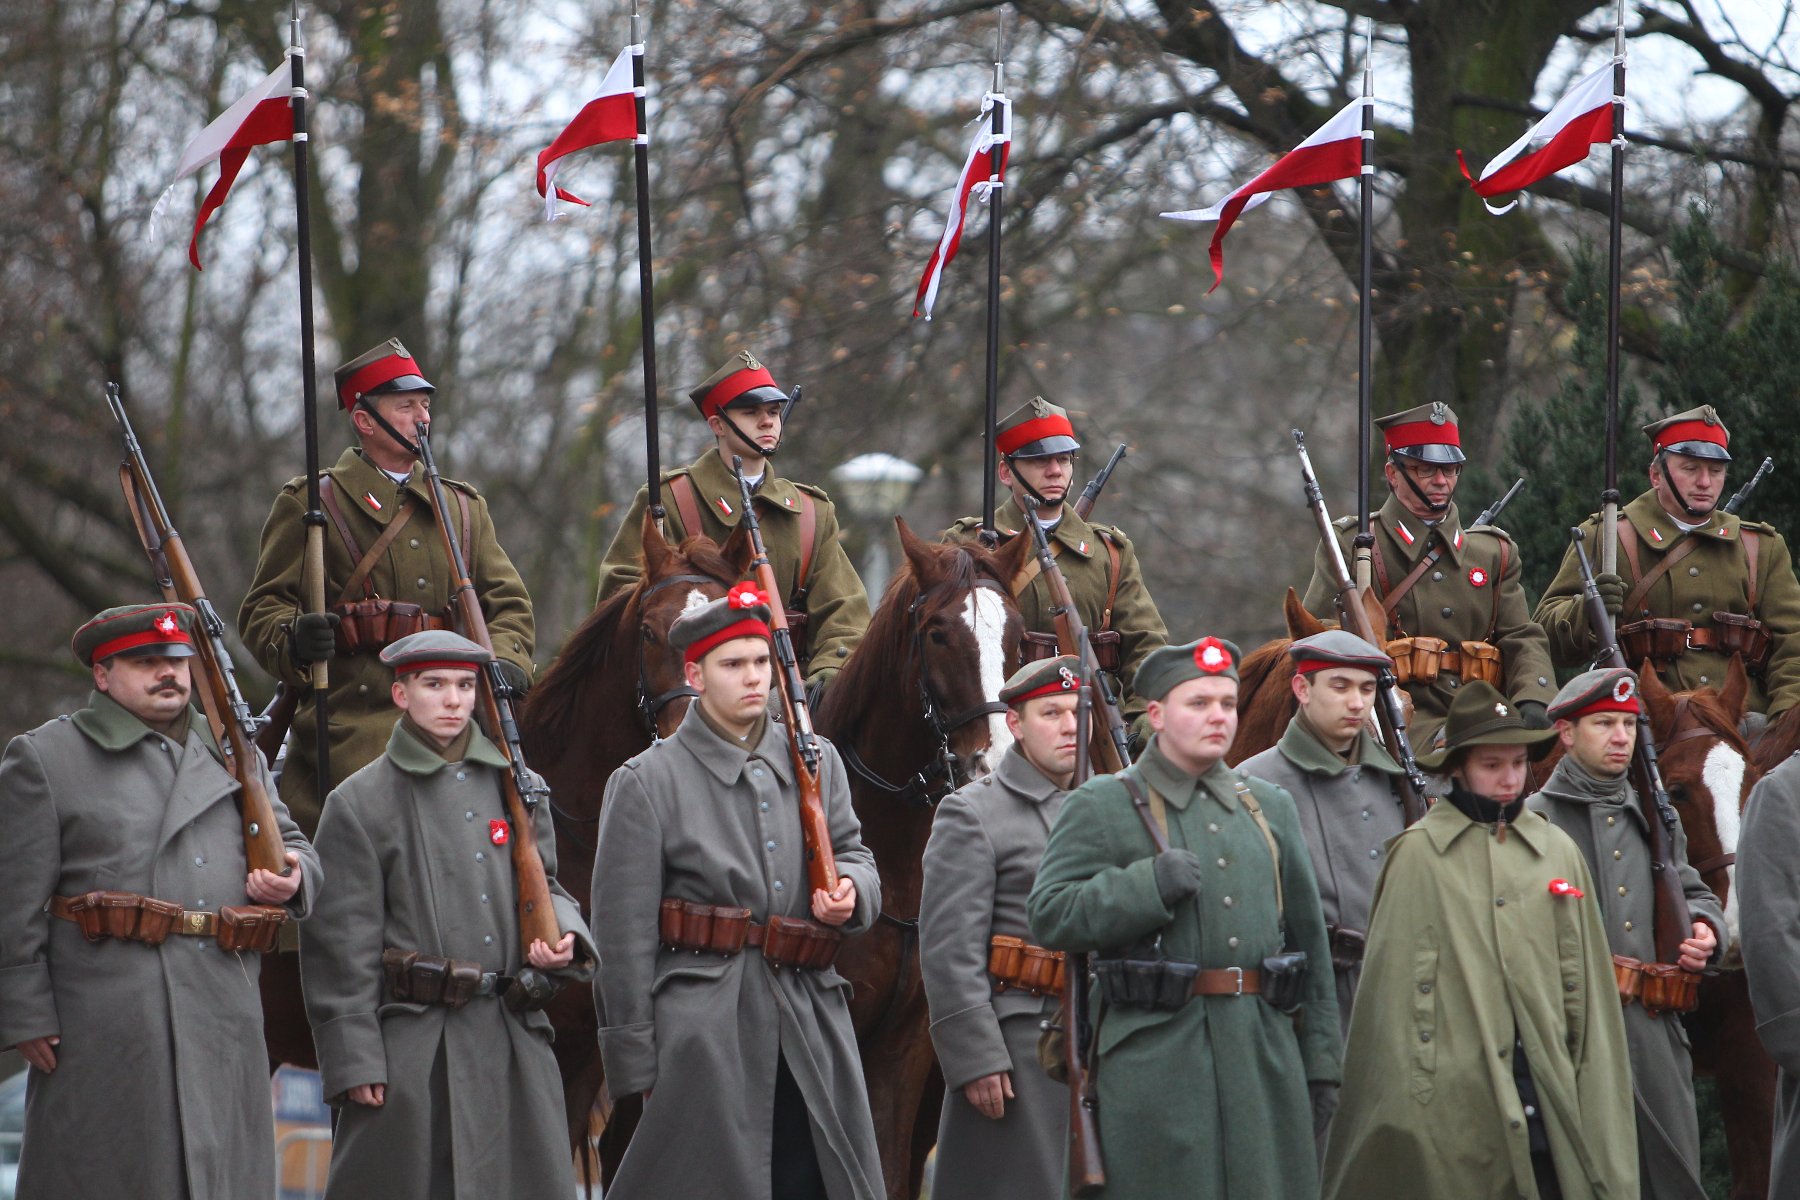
[(1072, 638), (1491, 513), (1390, 711), (1084, 504), (233, 724), (1742, 494), (273, 723), (1087, 1161), (1672, 921), (521, 790), (803, 743)]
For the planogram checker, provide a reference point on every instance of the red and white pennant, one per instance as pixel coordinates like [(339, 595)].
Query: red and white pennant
[(610, 116), (1581, 119), (971, 181)]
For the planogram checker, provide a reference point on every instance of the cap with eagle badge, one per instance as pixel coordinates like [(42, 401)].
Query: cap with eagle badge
[(1607, 689), (1425, 434), (1059, 676), (386, 368), (1167, 667), (1481, 716), (1697, 433), (1336, 648), (434, 650), (137, 631), (1036, 429), (741, 382), (742, 612)]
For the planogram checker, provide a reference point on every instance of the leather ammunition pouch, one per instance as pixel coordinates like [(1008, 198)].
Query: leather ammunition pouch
[(1423, 659), (1017, 964), (369, 626), (1659, 987), (1284, 980), (1664, 639), (1347, 946), (415, 978), (1038, 646), (722, 929), (1157, 982), (129, 917), (530, 990)]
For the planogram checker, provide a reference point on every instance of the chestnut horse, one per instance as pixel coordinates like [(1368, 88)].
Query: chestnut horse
[(614, 685), (915, 713)]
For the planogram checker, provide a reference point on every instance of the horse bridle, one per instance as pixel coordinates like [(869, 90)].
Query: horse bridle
[(1700, 728), (648, 706), (926, 788)]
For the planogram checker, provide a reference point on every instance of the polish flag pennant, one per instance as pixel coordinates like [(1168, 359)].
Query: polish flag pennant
[(1333, 152), (976, 179), (1581, 119), (609, 117), (262, 115)]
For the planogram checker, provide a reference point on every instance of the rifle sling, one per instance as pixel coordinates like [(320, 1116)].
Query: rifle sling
[(1158, 813), (1034, 567), (1390, 600), (1637, 594), (366, 563)]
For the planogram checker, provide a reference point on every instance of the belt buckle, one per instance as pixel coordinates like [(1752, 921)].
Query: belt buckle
[(1238, 972), (194, 922)]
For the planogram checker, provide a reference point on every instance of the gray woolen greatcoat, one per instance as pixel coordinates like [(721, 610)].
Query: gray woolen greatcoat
[(714, 822), (161, 1087), (474, 1102), (1613, 840), (980, 863), (1348, 814)]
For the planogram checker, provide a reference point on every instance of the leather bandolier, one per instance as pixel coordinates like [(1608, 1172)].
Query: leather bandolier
[(369, 623), (728, 930), (1659, 987), (415, 978), (687, 505), (1420, 659), (129, 917), (1664, 639), (1018, 965)]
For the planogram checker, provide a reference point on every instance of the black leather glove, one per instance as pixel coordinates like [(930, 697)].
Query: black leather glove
[(313, 638), (1612, 592), (1177, 875), (1534, 714), (514, 677), (1324, 1098)]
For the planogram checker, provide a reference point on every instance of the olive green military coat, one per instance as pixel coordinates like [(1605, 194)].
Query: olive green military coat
[(1467, 946), (415, 569), (1081, 555), (715, 822), (980, 863), (1614, 841), (836, 606), (1209, 1101), (161, 1086), (1713, 578), (1466, 597), (474, 1101), (1348, 814)]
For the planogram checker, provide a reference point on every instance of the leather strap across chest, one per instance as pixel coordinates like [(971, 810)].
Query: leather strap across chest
[(1390, 599), (366, 563), (687, 507)]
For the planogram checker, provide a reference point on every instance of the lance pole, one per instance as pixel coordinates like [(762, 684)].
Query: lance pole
[(1364, 544), (1609, 498), (646, 281), (995, 198)]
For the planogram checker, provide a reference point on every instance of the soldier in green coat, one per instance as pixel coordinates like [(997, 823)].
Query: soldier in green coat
[(827, 608), (1718, 585), (1037, 448), (1210, 1091), (386, 576), (1456, 609)]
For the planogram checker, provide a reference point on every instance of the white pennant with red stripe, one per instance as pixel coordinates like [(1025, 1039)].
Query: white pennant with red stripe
[(610, 116), (969, 182), (262, 115), (1581, 119)]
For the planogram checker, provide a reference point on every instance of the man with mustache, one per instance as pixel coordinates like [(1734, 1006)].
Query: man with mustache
[(122, 873)]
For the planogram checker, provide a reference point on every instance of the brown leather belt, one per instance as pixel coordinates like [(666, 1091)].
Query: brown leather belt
[(1659, 987), (1228, 981), (130, 917), (1016, 964), (727, 929)]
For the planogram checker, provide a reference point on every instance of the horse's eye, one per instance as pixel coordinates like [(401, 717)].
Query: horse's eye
[(649, 636), (1678, 793), (938, 638)]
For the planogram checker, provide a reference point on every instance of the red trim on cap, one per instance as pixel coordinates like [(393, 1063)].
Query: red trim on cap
[(367, 378), (436, 664), (1422, 433), (1307, 666), (733, 386), (1627, 705), (1034, 430), (748, 627), (1689, 431), (1061, 687), (147, 637)]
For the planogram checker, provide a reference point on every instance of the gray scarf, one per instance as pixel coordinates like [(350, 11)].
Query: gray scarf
[(1572, 781)]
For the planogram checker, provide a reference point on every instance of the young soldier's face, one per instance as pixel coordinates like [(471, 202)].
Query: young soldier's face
[(1601, 742), (440, 701), (1336, 702), (1497, 772), (1049, 475), (762, 424), (1196, 721), (1045, 731), (733, 681), (150, 687), (1701, 481)]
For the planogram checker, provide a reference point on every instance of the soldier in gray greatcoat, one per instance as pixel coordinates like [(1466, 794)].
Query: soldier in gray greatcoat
[(1343, 782), (1590, 798), (148, 1077), (749, 1069), (1769, 900), (1005, 1122), (439, 1063)]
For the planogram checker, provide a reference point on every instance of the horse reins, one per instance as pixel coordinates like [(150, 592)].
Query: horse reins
[(1699, 729), (648, 706)]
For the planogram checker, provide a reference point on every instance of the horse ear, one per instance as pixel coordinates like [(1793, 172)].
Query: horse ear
[(1736, 689), (1011, 558), (657, 553), (1657, 697), (738, 551), (916, 549), (1300, 623)]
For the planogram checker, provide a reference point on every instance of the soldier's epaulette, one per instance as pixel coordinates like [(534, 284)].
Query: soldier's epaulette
[(1111, 533), (461, 486), (1496, 530), (812, 489), (1344, 524), (1761, 527)]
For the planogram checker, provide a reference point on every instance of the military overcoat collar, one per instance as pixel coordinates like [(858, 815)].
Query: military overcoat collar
[(113, 727), (1071, 532), (1017, 774), (414, 757), (1572, 785), (1300, 746), (369, 488), (726, 760), (718, 489), (1444, 823), (1414, 536), (1178, 788), (1657, 530)]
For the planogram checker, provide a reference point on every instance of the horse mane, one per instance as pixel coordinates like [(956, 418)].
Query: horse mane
[(1704, 704), (553, 708)]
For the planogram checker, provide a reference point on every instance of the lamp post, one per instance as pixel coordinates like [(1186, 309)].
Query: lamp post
[(874, 487)]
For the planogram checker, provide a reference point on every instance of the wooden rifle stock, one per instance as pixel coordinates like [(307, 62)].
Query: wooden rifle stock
[(803, 743), (522, 793), (1072, 639), (1673, 923), (1087, 1161), (216, 681), (273, 723)]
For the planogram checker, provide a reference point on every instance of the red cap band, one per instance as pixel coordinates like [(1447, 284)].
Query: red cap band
[(733, 386), (1422, 433), (1049, 689), (1689, 431), (1034, 430), (1307, 666), (148, 637), (413, 668), (1627, 705), (748, 627), (367, 379)]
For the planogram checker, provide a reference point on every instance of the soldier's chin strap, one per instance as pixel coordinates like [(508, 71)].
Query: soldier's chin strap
[(1416, 489), (367, 404), (1662, 464), (1037, 497), (751, 442)]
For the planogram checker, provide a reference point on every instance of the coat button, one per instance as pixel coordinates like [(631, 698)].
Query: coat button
[(764, 806), (165, 746), (484, 898), (1231, 943), (481, 856), (488, 940), (461, 775), (1610, 820), (1437, 577), (1424, 1037), (1628, 927), (1499, 901), (1365, 814), (1618, 854), (1694, 571), (413, 542), (1703, 679), (1228, 902), (768, 845), (1450, 682), (778, 885), (198, 861), (421, 583), (1568, 987), (758, 772), (1698, 606), (1622, 889), (1531, 1110), (362, 689), (1212, 828), (469, 816), (1376, 853), (1445, 611), (1221, 862), (1424, 989)]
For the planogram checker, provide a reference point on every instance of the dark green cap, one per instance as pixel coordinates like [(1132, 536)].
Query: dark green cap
[(741, 612), (433, 650), (1057, 676), (1170, 666)]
